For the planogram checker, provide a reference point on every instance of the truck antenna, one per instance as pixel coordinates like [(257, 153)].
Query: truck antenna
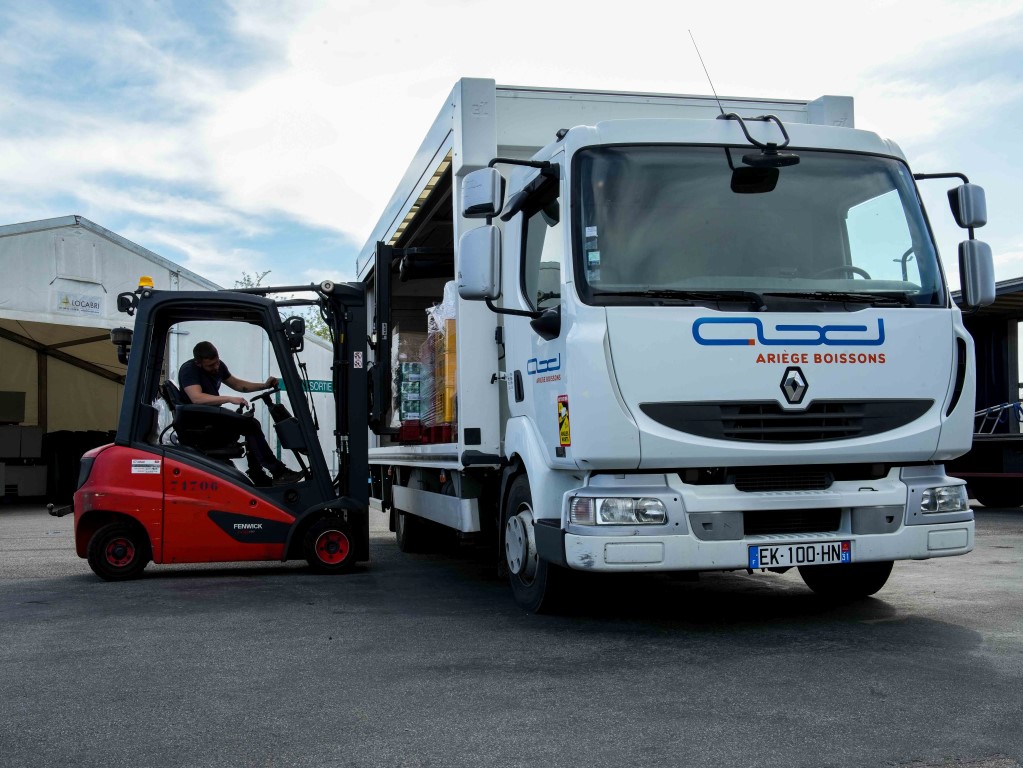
[(706, 72)]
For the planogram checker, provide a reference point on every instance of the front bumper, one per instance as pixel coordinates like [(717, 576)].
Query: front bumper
[(706, 530), (683, 552)]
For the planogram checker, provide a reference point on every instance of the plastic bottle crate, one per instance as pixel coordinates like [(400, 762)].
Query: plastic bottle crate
[(410, 432), (439, 433)]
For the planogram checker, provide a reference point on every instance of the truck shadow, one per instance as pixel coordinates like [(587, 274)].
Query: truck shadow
[(461, 584), (709, 599)]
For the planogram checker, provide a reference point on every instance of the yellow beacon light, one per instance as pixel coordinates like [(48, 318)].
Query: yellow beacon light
[(145, 282)]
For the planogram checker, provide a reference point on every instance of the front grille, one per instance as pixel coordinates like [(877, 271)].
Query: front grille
[(791, 521), (768, 422), (783, 479)]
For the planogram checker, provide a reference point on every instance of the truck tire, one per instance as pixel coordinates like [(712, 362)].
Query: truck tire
[(328, 548), (119, 551), (1003, 494), (846, 582), (412, 533), (537, 585)]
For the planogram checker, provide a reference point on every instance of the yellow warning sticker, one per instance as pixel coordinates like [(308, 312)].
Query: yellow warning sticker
[(563, 426)]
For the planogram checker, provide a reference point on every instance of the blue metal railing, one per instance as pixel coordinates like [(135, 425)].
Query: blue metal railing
[(987, 421)]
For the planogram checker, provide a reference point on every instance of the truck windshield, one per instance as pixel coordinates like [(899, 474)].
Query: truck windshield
[(662, 223)]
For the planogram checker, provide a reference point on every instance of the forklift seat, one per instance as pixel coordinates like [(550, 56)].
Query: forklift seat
[(210, 429)]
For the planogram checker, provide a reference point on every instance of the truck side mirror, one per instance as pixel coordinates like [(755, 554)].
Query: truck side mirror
[(479, 264), (977, 273), (482, 194), (969, 205)]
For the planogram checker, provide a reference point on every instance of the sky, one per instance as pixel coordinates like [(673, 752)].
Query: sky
[(240, 137)]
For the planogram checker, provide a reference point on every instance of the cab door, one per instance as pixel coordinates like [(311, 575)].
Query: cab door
[(543, 363)]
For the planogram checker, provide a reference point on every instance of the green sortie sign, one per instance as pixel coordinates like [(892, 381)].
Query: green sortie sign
[(313, 385)]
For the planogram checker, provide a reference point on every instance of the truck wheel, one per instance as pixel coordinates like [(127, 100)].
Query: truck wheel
[(411, 533), (118, 552), (327, 547), (846, 582), (537, 585), (995, 495)]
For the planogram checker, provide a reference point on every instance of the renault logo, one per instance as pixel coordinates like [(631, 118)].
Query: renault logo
[(793, 385)]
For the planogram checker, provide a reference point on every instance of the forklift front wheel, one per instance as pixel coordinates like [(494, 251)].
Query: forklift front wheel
[(328, 548), (118, 552)]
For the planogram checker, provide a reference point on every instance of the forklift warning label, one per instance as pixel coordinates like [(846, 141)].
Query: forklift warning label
[(145, 466), (563, 427)]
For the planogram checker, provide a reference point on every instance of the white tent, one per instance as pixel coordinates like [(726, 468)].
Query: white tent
[(58, 369), (58, 302)]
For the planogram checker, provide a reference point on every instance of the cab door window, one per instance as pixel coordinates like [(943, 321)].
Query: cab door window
[(542, 257)]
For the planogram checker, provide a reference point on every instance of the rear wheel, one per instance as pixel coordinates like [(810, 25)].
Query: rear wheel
[(328, 548), (412, 533), (538, 586), (119, 551), (846, 582)]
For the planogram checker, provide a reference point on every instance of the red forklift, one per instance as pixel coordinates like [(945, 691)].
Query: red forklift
[(172, 494)]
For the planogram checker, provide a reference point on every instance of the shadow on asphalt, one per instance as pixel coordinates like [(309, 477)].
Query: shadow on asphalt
[(461, 581)]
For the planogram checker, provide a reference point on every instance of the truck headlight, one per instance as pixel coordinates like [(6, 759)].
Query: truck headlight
[(617, 511), (946, 498)]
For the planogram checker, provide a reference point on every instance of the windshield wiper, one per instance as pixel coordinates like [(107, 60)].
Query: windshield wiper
[(755, 300), (878, 299)]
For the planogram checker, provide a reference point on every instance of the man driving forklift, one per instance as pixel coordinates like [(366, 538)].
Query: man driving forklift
[(200, 379)]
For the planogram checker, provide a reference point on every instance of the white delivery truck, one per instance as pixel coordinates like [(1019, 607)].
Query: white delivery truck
[(637, 332)]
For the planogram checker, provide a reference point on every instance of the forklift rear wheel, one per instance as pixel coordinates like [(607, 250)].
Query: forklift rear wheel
[(118, 552), (846, 582), (328, 548)]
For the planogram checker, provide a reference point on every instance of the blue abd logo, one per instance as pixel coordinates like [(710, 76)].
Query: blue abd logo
[(749, 331)]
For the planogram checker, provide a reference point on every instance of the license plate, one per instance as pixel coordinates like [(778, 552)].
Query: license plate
[(785, 555)]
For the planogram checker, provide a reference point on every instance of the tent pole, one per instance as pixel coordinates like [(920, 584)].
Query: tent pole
[(42, 407)]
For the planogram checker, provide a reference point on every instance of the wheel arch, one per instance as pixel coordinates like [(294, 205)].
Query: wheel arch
[(526, 455), (336, 508), (91, 521)]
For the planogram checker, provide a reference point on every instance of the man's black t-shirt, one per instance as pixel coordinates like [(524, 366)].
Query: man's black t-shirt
[(191, 374)]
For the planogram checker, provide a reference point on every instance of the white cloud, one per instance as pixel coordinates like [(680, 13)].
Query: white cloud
[(1009, 264), (323, 108), (203, 254), (326, 137), (184, 211), (89, 149)]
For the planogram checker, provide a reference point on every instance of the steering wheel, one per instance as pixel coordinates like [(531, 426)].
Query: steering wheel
[(265, 396), (843, 268)]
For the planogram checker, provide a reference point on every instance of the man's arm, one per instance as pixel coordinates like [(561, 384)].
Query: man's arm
[(241, 385), (198, 397)]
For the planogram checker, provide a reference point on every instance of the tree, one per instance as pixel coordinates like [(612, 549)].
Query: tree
[(313, 322), (251, 281)]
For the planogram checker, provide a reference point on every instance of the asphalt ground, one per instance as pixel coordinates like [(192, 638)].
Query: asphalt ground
[(425, 660)]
